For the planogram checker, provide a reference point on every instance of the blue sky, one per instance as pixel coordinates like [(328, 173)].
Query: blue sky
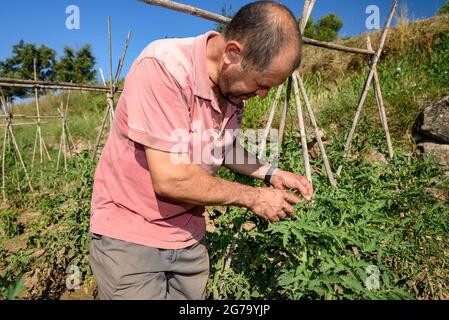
[(43, 22)]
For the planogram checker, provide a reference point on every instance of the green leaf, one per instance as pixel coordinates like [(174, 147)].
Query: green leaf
[(15, 289), (351, 283)]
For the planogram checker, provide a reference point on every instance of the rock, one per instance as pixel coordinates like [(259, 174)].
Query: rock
[(440, 152), (433, 123), (314, 151), (375, 158)]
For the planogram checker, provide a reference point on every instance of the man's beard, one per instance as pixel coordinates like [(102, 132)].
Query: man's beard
[(225, 81)]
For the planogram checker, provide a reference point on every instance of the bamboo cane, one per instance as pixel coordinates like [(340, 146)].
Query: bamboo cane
[(110, 51), (70, 142), (24, 124), (110, 110), (284, 112), (60, 144), (122, 57), (2, 101), (306, 12), (381, 107), (64, 147), (3, 164), (327, 166), (224, 20), (368, 84), (100, 134), (20, 157), (102, 77), (382, 120), (270, 120), (38, 125), (302, 130), (7, 82), (23, 116), (34, 150)]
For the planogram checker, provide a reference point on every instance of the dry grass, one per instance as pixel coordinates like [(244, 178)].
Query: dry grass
[(334, 65)]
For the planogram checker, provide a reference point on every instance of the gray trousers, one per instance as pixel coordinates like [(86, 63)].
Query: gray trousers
[(128, 271)]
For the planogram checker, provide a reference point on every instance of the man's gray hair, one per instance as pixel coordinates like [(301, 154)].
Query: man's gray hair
[(264, 28)]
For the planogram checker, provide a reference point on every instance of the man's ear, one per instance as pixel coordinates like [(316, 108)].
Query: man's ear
[(233, 53)]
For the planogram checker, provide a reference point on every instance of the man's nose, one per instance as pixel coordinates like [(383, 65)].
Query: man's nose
[(263, 93)]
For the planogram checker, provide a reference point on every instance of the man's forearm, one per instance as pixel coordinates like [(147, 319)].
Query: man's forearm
[(242, 161), (196, 187)]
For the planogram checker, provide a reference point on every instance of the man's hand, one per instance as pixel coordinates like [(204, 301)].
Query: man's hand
[(273, 204), (285, 180)]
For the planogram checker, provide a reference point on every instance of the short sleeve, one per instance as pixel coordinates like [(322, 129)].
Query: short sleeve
[(158, 114)]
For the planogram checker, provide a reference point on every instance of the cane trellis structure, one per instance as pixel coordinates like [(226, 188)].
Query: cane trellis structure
[(293, 86), (297, 83), (66, 144)]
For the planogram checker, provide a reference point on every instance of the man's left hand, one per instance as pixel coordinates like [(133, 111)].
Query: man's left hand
[(285, 180)]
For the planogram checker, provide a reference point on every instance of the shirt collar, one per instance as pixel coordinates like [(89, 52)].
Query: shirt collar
[(202, 87)]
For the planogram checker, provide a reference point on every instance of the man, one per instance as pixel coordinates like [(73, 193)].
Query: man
[(150, 187)]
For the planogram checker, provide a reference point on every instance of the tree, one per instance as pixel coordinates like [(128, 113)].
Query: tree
[(77, 66), (21, 66), (325, 29), (445, 8), (226, 12)]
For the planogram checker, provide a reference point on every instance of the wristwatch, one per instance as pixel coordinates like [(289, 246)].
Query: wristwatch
[(269, 174)]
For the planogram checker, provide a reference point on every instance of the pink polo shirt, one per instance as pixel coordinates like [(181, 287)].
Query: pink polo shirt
[(167, 104)]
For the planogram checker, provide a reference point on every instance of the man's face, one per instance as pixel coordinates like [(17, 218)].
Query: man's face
[(238, 85)]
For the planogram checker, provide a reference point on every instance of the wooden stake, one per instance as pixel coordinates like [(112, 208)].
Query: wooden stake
[(6, 82), (21, 116), (224, 20), (381, 106), (284, 112), (20, 156), (3, 166), (122, 58), (9, 135), (316, 129), (110, 110), (302, 130), (4, 163), (367, 85), (100, 134), (306, 12), (34, 150), (270, 120), (24, 124), (110, 51), (102, 76), (42, 147), (70, 142), (62, 143), (38, 126)]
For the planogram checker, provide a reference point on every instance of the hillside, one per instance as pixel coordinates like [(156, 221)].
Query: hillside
[(380, 214)]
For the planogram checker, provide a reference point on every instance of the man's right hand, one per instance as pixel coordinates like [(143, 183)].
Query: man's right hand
[(273, 204)]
